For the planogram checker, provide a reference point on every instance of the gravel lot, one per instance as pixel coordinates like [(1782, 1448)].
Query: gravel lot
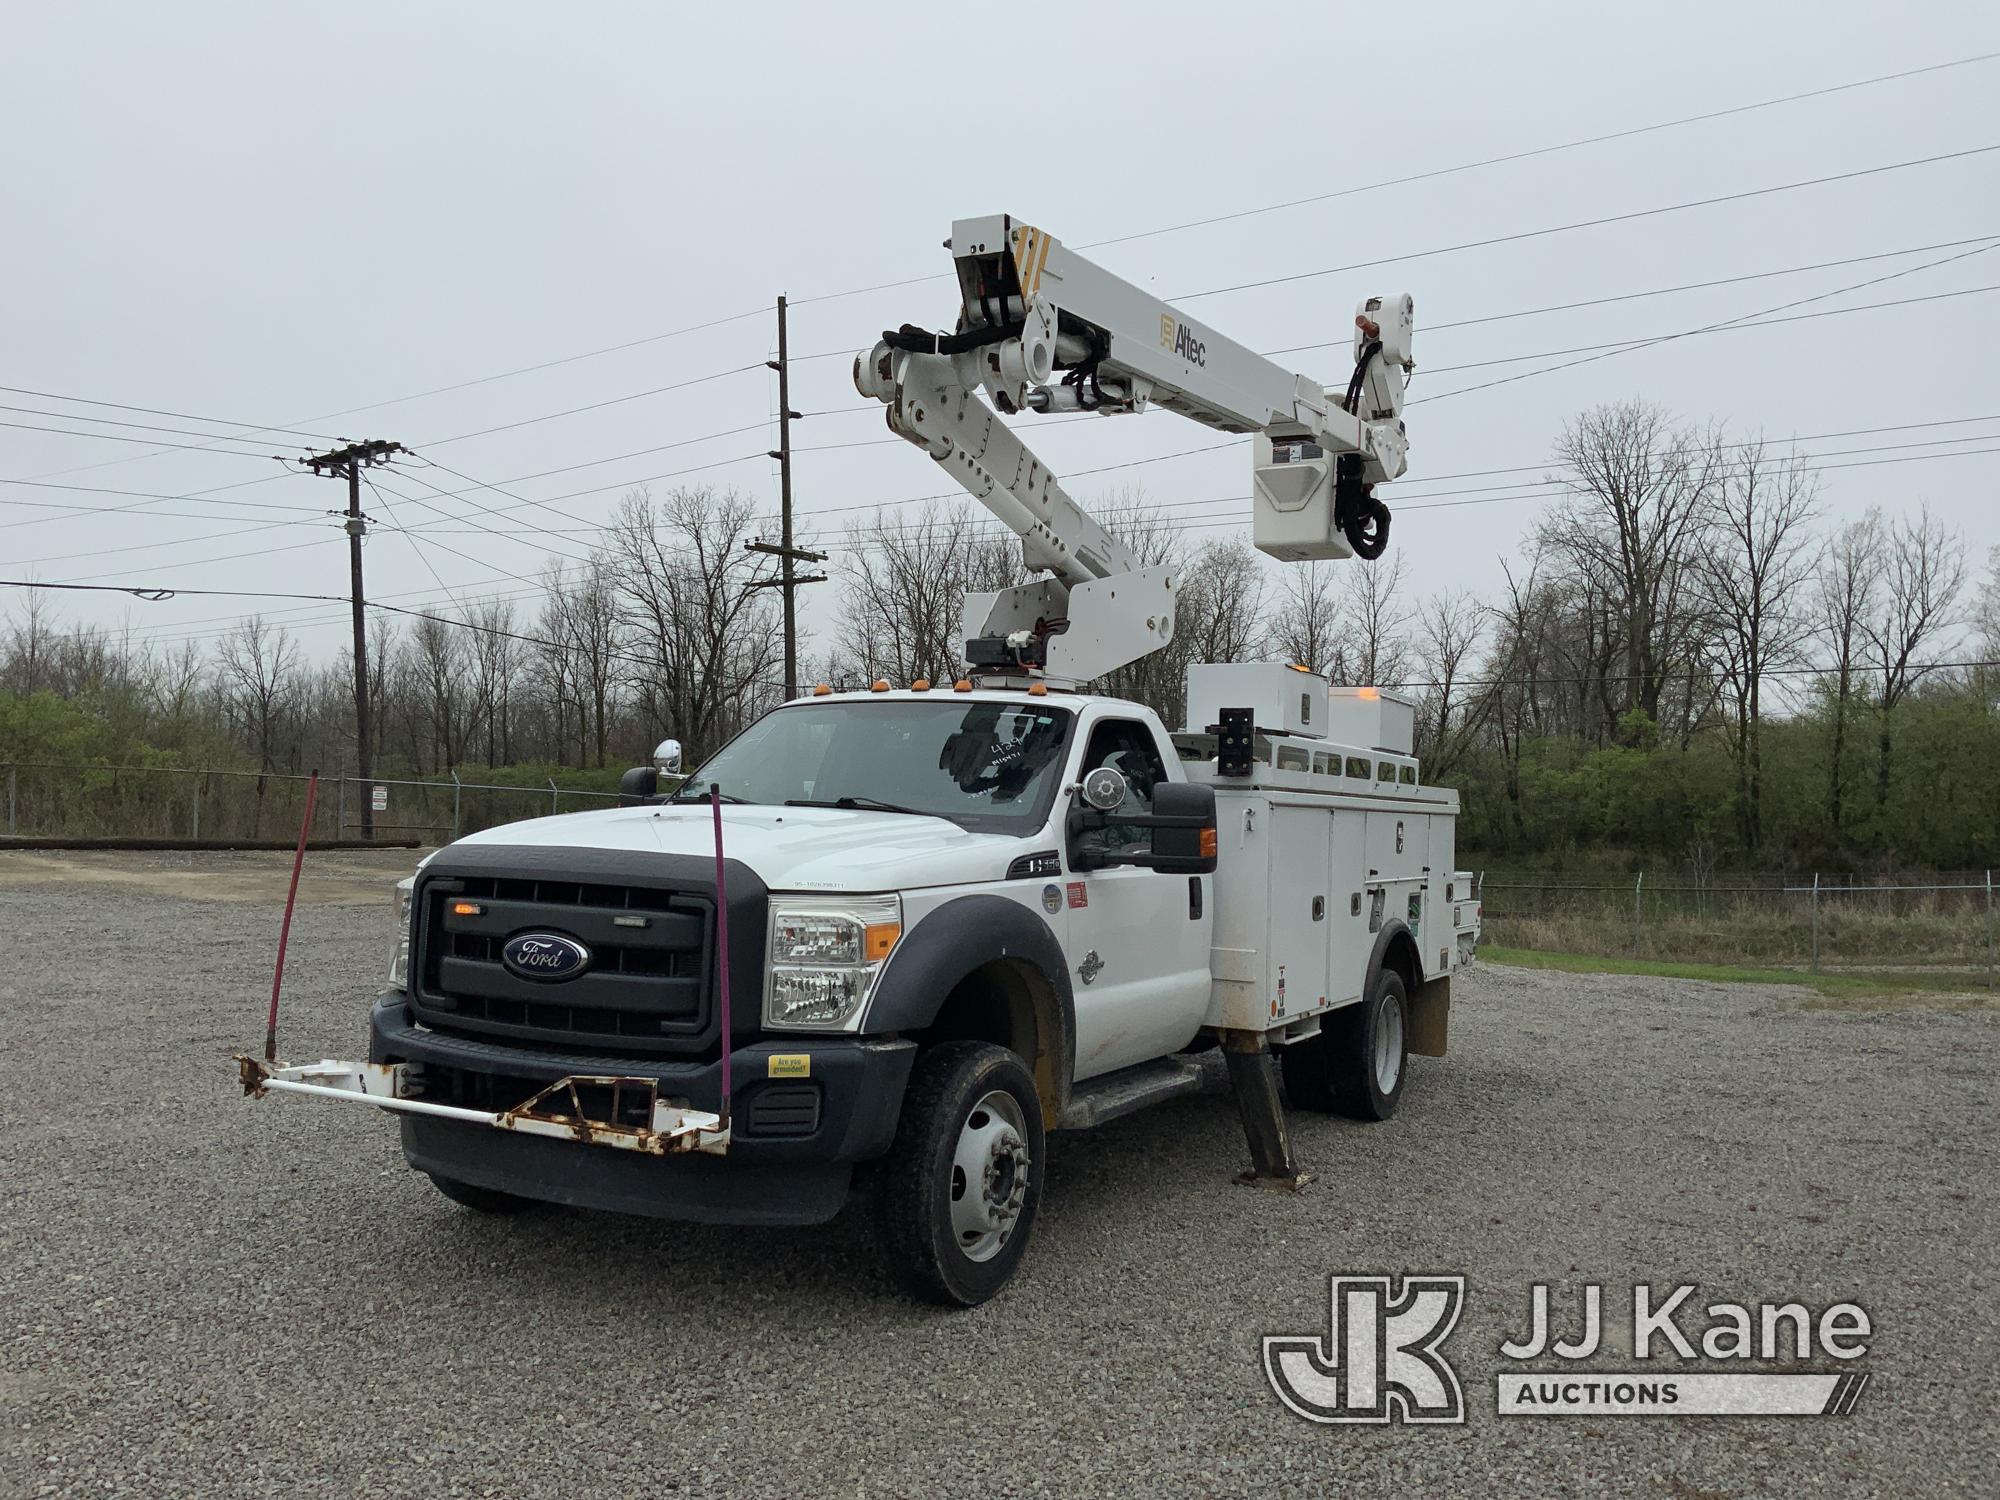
[(208, 1295)]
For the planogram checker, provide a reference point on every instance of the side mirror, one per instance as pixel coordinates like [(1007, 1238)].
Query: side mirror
[(1105, 789), (638, 786), (667, 757), (1183, 824)]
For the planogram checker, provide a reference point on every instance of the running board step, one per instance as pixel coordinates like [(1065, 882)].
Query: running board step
[(1136, 1087)]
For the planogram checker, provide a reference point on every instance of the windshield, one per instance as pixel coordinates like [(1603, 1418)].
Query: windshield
[(987, 766)]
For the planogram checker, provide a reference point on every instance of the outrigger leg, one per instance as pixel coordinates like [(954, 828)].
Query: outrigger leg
[(1253, 1078)]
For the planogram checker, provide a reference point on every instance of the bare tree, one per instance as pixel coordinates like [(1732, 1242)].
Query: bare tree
[(1221, 603), (907, 578), (450, 707), (495, 653), (1374, 620), (710, 639), (586, 620), (256, 669), (1753, 588), (1305, 625), (1923, 571), (1847, 587), (1986, 622), (1637, 491), (1450, 714), (28, 629)]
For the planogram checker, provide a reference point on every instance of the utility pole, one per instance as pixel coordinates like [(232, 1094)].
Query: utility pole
[(347, 463), (784, 551)]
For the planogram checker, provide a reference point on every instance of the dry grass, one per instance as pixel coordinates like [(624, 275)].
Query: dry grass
[(1776, 932)]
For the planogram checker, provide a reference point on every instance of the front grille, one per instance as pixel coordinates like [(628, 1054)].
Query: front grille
[(646, 987)]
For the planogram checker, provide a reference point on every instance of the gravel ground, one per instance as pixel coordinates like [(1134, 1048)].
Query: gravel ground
[(205, 1295)]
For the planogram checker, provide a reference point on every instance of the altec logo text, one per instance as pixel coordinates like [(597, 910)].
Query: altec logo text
[(1382, 1358), (1181, 339)]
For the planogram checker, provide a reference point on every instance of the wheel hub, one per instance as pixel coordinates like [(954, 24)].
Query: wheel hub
[(990, 1169)]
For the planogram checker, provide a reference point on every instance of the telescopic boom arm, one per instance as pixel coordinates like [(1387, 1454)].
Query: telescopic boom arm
[(1030, 308)]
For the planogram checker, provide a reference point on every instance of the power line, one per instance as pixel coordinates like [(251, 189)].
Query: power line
[(113, 437), (185, 541), (1624, 218), (1623, 346), (1595, 140), (202, 562), (473, 528), (154, 411), (1745, 318), (80, 416), (660, 390), (415, 546), (622, 484), (1662, 291)]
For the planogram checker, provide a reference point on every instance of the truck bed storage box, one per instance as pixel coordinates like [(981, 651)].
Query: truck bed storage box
[(1284, 699), (1369, 716)]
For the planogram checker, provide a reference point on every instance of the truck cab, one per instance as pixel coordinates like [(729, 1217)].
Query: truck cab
[(901, 871)]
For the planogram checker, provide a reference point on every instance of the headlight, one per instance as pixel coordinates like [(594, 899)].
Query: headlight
[(825, 952), (399, 962)]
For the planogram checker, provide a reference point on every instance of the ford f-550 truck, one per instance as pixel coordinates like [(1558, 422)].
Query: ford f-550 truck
[(893, 937)]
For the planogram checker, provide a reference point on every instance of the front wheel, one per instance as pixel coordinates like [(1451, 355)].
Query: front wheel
[(963, 1178)]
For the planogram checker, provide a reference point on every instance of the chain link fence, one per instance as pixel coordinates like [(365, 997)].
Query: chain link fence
[(207, 804), (1941, 919)]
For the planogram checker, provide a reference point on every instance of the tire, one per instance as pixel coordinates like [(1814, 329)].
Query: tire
[(482, 1200), (1308, 1069), (962, 1180), (1374, 1047)]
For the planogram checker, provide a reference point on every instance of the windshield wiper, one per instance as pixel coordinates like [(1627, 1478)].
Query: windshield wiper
[(703, 797), (862, 804)]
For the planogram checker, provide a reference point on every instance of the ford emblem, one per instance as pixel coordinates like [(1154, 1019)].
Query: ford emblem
[(544, 956)]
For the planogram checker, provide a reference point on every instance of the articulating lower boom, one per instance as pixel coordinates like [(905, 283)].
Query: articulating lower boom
[(1031, 308)]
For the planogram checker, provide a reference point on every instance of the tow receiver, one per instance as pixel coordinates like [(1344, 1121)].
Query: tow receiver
[(671, 1127)]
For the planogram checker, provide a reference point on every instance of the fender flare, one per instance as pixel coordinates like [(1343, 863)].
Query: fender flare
[(955, 940), (1379, 957), (1428, 1000)]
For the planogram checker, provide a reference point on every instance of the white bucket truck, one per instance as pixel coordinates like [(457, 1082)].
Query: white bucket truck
[(893, 937)]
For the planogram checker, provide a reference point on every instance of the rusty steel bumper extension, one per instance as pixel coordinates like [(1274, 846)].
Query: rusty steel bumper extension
[(557, 1111)]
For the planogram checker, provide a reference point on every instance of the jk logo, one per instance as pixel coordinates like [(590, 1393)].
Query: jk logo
[(1380, 1362)]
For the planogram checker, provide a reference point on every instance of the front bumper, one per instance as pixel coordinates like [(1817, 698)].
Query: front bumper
[(802, 1113)]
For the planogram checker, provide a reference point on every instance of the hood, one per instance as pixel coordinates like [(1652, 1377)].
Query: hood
[(790, 848)]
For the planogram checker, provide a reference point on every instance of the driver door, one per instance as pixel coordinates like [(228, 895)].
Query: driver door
[(1138, 939)]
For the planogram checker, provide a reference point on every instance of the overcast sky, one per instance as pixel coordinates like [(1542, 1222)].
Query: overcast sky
[(265, 214)]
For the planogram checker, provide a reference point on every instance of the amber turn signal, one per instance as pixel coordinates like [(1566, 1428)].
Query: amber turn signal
[(877, 938)]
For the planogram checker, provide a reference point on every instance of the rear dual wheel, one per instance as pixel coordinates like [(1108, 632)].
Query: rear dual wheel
[(1358, 1063)]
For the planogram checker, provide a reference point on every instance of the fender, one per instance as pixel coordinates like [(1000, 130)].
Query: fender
[(964, 935), (1429, 999), (1378, 958)]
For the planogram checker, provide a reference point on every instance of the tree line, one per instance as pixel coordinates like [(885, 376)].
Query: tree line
[(1684, 659)]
